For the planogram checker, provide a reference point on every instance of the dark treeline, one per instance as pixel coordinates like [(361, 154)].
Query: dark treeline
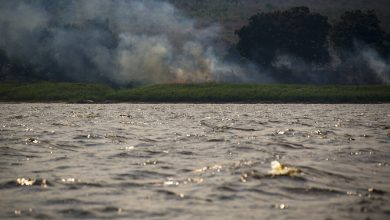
[(304, 47)]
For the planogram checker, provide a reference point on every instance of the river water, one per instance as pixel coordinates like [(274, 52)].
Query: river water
[(194, 161)]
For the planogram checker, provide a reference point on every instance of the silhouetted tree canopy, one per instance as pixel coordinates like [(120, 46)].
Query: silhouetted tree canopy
[(296, 32), (357, 26)]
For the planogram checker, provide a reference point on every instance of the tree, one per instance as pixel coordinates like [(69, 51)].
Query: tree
[(357, 26), (3, 64), (296, 32)]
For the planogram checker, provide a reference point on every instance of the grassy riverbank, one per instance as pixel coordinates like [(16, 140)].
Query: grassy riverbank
[(198, 93), (53, 92)]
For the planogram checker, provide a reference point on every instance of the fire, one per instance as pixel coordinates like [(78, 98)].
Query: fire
[(179, 76), (180, 81)]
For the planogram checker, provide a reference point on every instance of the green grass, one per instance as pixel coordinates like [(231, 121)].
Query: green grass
[(49, 92), (252, 93), (196, 93)]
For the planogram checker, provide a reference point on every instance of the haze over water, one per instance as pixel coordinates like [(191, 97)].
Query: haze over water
[(184, 161)]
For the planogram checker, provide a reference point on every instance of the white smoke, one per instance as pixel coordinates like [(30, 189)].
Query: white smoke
[(362, 65), (126, 42), (377, 64), (123, 41)]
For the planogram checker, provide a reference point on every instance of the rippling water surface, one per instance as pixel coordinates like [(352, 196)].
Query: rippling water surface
[(194, 161)]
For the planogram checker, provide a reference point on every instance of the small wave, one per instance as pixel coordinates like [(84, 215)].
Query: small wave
[(316, 172), (313, 191), (111, 209), (66, 147), (123, 155), (143, 174), (60, 158), (87, 136), (255, 175), (170, 194), (71, 201), (220, 198), (288, 145), (216, 140), (73, 183), (130, 184), (244, 148), (77, 213), (186, 153), (270, 193), (228, 188)]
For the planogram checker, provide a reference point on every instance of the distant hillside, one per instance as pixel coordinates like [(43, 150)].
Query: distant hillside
[(233, 14)]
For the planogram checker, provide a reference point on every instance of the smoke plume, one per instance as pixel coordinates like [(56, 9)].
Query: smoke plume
[(126, 42), (119, 41), (362, 65)]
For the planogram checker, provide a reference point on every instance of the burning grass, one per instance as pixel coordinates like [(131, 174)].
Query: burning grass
[(194, 93)]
